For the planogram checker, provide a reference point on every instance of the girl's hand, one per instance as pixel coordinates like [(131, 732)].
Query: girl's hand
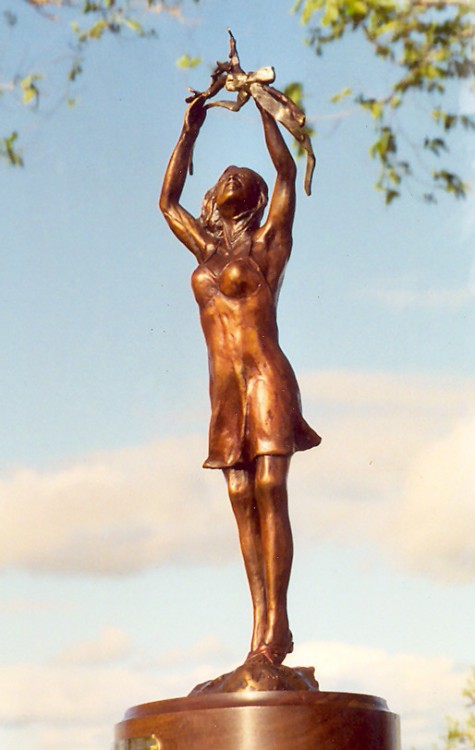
[(196, 113)]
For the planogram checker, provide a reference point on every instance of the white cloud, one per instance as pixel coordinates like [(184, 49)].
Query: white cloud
[(402, 393), (43, 694), (70, 695), (111, 645), (396, 460), (207, 649), (437, 516), (421, 689), (396, 451), (52, 737), (116, 512), (64, 706), (17, 606)]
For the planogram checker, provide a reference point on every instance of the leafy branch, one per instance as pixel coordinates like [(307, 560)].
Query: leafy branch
[(89, 21), (429, 43), (460, 734)]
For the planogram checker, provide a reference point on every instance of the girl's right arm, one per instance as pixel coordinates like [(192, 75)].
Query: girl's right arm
[(182, 223)]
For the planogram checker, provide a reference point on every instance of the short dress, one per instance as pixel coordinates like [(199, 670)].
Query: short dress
[(255, 399)]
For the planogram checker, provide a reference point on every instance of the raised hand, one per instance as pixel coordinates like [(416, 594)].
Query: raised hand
[(196, 113)]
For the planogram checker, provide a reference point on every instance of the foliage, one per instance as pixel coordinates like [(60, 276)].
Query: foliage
[(428, 44), (460, 734), (8, 150), (89, 21), (185, 61)]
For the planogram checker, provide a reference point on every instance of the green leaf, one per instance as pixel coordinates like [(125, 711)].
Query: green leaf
[(436, 145), (29, 88), (390, 196), (294, 91), (134, 25), (331, 12), (97, 30), (341, 95), (75, 70), (376, 109), (375, 106), (449, 121), (390, 28), (29, 81), (8, 150), (451, 183), (28, 95), (309, 8), (185, 61), (356, 7)]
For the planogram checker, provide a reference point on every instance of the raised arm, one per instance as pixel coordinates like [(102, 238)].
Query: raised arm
[(182, 223), (276, 233)]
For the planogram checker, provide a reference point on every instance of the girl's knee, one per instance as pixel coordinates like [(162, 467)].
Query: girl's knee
[(269, 486), (271, 476), (271, 495), (240, 489)]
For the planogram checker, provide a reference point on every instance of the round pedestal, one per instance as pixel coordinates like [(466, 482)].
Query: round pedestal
[(261, 721)]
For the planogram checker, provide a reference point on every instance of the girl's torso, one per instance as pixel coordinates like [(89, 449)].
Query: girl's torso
[(237, 307)]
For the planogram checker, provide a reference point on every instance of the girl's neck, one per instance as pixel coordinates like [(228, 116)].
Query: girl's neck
[(231, 234), (235, 231)]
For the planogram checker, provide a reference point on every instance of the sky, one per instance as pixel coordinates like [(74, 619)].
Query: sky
[(121, 577)]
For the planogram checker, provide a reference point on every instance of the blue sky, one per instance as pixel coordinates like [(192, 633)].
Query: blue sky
[(121, 575)]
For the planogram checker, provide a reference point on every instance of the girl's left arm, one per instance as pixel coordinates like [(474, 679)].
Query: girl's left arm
[(276, 233)]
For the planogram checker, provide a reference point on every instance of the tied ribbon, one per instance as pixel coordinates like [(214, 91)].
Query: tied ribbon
[(256, 84)]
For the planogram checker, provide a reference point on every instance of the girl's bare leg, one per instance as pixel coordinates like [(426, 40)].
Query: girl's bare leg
[(271, 496), (241, 493)]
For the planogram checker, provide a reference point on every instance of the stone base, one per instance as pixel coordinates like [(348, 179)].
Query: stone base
[(253, 720)]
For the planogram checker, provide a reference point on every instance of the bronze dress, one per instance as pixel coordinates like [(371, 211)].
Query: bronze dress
[(255, 399)]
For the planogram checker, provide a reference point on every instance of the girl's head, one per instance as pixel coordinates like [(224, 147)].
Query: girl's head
[(240, 194)]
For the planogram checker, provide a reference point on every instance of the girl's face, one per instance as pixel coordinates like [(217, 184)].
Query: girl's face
[(238, 191)]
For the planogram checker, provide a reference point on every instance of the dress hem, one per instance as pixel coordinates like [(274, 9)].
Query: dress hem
[(216, 464)]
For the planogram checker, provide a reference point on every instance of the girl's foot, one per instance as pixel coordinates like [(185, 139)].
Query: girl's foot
[(274, 653)]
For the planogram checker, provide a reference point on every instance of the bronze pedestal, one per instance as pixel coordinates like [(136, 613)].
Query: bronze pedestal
[(261, 721)]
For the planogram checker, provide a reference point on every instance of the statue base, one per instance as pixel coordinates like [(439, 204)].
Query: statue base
[(261, 720), (260, 674)]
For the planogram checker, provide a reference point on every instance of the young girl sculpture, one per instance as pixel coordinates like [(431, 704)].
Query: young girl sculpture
[(256, 420)]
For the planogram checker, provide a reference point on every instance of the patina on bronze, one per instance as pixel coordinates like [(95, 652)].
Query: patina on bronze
[(256, 426), (256, 419)]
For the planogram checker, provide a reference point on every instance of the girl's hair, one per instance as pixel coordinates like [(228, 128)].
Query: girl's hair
[(210, 218)]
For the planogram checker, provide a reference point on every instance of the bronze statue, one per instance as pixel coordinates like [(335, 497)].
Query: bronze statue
[(256, 420)]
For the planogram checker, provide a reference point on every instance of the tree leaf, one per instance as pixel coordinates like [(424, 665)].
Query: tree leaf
[(340, 95), (28, 95), (134, 25), (185, 61), (294, 91)]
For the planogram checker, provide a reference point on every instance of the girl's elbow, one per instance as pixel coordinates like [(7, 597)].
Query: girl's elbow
[(166, 206)]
